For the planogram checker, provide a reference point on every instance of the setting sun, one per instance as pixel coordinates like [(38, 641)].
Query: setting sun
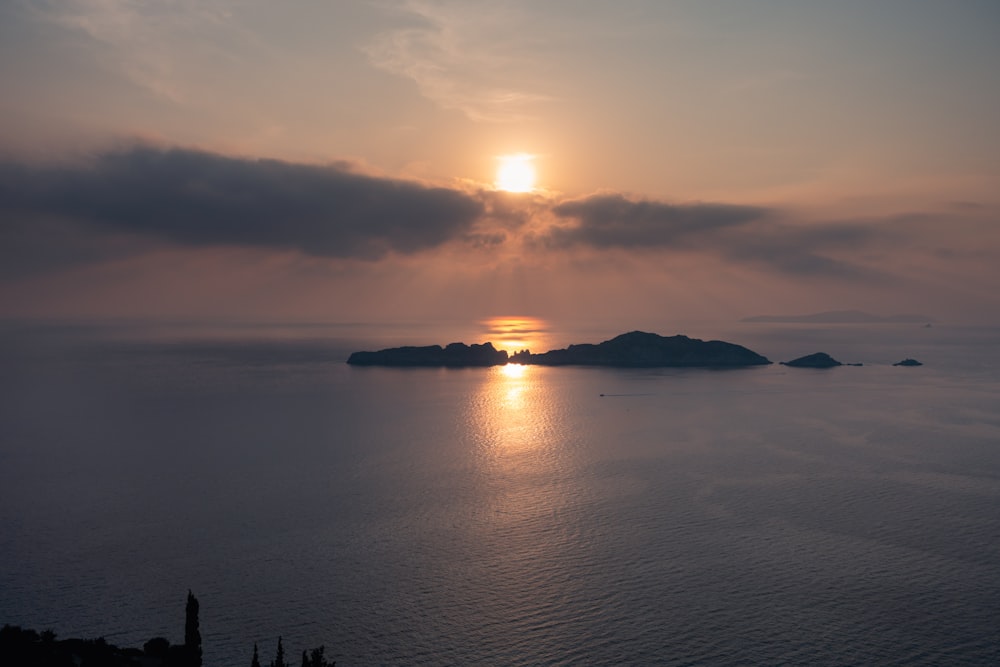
[(516, 173), (515, 333)]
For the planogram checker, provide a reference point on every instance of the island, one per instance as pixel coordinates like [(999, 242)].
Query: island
[(635, 349), (908, 362), (454, 355), (817, 360), (638, 349)]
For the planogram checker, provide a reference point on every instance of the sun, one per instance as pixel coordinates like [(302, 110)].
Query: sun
[(516, 173)]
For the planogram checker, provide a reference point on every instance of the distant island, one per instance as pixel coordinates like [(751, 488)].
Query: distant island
[(840, 317), (908, 362), (817, 360), (454, 355), (636, 349), (641, 349)]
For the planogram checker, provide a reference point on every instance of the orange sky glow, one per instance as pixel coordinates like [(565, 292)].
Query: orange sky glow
[(391, 161)]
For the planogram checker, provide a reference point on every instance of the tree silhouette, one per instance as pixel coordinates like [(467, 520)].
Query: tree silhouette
[(157, 647), (28, 648), (316, 658), (192, 635), (279, 658)]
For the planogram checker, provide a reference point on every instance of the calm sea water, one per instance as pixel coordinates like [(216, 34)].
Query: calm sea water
[(505, 516)]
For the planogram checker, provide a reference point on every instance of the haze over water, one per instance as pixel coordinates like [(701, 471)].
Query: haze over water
[(507, 515)]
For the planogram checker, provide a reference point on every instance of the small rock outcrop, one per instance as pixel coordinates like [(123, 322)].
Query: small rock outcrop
[(638, 349), (817, 360), (454, 355), (908, 362)]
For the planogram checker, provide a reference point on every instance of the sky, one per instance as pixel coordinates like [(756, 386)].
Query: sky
[(321, 160)]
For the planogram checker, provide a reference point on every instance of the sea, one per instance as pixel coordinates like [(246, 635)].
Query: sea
[(513, 515)]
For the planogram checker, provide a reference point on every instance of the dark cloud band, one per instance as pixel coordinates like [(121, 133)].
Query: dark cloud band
[(196, 198), (614, 221), (130, 201), (741, 234)]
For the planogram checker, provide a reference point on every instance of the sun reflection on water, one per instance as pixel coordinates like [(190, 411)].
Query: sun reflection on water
[(513, 371), (509, 413), (527, 494)]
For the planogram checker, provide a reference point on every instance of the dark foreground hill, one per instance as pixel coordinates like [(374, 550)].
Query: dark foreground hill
[(20, 647)]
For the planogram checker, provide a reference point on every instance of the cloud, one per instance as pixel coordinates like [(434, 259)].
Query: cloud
[(139, 199), (195, 198), (611, 220), (743, 234), (461, 58)]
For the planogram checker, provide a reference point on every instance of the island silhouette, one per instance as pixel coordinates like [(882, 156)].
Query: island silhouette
[(816, 360), (454, 355), (636, 349)]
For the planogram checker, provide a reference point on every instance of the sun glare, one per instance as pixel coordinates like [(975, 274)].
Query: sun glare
[(517, 333), (513, 371), (516, 173)]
